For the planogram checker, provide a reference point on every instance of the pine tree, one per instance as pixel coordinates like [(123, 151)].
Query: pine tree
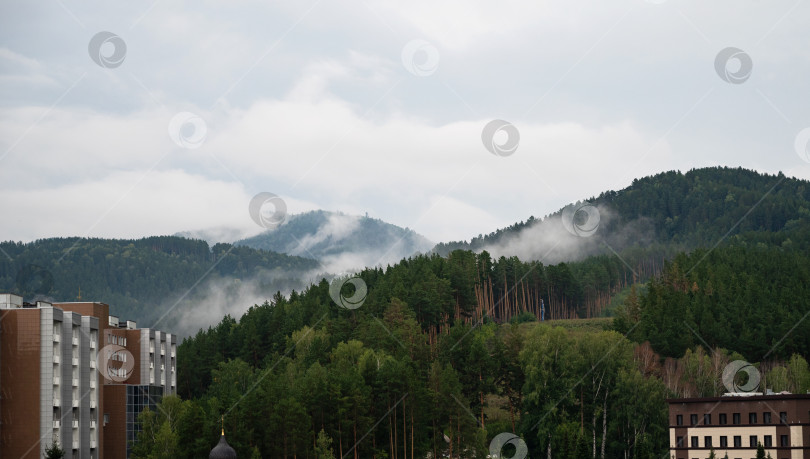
[(54, 451), (323, 446)]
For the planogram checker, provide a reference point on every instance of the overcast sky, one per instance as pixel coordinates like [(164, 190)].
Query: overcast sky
[(379, 107)]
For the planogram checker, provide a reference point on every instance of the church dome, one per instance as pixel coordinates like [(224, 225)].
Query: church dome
[(223, 450)]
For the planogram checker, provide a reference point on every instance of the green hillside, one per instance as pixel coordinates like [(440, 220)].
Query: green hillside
[(688, 210), (135, 277)]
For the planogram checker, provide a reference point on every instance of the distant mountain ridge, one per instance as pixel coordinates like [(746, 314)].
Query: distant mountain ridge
[(138, 278), (687, 210), (340, 241)]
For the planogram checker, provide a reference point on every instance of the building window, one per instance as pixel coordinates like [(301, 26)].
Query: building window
[(707, 419), (766, 440), (766, 417), (783, 417), (694, 442), (737, 441), (752, 418), (783, 440), (707, 441), (736, 419), (723, 441), (680, 442), (723, 419), (679, 420), (693, 419), (752, 441)]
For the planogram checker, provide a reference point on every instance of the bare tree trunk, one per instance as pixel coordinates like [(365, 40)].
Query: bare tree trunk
[(404, 434), (604, 422), (396, 440)]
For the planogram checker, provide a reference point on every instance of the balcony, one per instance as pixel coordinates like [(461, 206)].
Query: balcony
[(56, 358), (162, 351), (75, 382), (92, 404), (93, 424), (162, 368), (151, 365), (162, 381), (92, 444), (173, 353), (56, 337), (57, 402), (57, 424), (151, 379), (56, 380), (75, 423), (75, 444), (75, 362), (92, 344), (92, 383), (75, 341), (92, 363), (75, 403)]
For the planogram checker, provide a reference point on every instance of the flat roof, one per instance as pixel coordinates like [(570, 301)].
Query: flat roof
[(740, 398)]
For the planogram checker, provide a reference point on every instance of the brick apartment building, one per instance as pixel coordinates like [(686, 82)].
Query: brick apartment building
[(71, 372), (735, 424)]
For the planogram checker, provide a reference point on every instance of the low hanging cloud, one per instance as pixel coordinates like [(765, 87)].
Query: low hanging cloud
[(558, 238)]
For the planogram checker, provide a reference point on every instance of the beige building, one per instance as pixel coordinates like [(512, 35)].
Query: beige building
[(735, 424), (70, 372)]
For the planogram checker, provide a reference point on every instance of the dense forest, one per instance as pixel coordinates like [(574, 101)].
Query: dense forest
[(422, 370), (134, 277)]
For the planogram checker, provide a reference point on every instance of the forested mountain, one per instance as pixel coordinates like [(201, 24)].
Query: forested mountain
[(686, 210), (135, 277), (447, 352), (340, 242), (429, 365)]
